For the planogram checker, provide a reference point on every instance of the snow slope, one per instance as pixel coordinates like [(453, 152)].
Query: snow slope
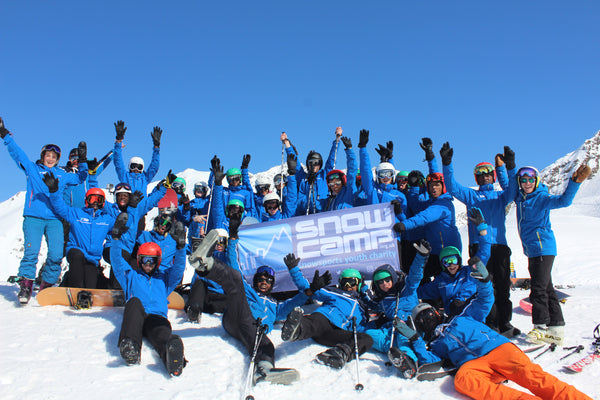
[(55, 352)]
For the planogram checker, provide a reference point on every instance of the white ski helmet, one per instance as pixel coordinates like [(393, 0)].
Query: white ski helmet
[(386, 166), (271, 196), (136, 160)]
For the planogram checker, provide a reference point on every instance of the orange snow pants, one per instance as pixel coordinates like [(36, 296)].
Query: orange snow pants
[(482, 377)]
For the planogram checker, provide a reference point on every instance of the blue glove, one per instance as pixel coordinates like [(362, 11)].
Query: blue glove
[(479, 271)]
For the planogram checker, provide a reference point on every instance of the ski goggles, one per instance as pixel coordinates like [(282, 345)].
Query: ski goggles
[(263, 188), (178, 186), (349, 282), (527, 171), (402, 179), (234, 178), (334, 182), (235, 209), (387, 279), (265, 278), (122, 186), (435, 177), (152, 260), (164, 221), (386, 173), (74, 157), (313, 162), (265, 269), (51, 147), (222, 241), (136, 167), (449, 260), (95, 199), (201, 189), (271, 205), (527, 179), (483, 169), (278, 180)]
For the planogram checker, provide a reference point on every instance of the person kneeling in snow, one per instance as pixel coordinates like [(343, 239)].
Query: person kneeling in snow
[(485, 358), (146, 292)]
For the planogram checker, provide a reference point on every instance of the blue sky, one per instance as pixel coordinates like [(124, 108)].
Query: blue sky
[(227, 78)]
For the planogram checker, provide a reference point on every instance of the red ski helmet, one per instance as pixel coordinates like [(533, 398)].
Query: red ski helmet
[(94, 195), (149, 249)]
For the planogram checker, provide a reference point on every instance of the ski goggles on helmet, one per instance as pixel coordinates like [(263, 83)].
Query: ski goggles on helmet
[(51, 147), (385, 173), (526, 171), (349, 282), (435, 177), (278, 180), (122, 186), (95, 199), (263, 188), (271, 205), (266, 274), (449, 260), (313, 162), (136, 167), (483, 169), (152, 260), (334, 182)]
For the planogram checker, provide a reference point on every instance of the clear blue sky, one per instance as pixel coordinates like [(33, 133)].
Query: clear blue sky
[(227, 77)]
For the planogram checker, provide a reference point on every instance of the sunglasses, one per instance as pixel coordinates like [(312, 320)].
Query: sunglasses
[(387, 279), (152, 260), (450, 260), (402, 179), (388, 173), (349, 282), (136, 167), (483, 170), (164, 221), (264, 278), (525, 180), (122, 185), (272, 205), (74, 158)]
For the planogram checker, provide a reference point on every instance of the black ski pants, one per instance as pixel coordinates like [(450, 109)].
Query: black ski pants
[(204, 300), (407, 255), (432, 268), (137, 324), (499, 268), (319, 328), (545, 305), (237, 317), (82, 273)]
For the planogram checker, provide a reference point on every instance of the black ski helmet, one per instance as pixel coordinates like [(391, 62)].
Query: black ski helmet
[(263, 271), (426, 318), (313, 155)]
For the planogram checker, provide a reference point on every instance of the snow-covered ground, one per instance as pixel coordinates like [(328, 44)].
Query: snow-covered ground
[(56, 352)]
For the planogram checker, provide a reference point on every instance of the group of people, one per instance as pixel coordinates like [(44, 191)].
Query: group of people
[(423, 309)]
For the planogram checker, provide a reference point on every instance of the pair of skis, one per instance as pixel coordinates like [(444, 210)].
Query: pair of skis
[(578, 366)]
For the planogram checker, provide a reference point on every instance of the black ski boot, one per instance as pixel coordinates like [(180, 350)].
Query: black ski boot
[(509, 331), (175, 359), (336, 356), (130, 351), (193, 314), (265, 371), (291, 327), (405, 364), (25, 288)]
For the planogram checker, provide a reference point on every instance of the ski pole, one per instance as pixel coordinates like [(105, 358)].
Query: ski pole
[(310, 190), (212, 186), (282, 156), (552, 347), (358, 385), (257, 338), (390, 355), (576, 349), (335, 154)]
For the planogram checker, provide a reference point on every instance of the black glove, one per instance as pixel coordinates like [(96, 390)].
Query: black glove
[(415, 178), (385, 154), (320, 281), (82, 152), (214, 162), (120, 128), (156, 134), (475, 216), (170, 178), (364, 138), (347, 142), (423, 247), (51, 182), (427, 145), (399, 227), (397, 206), (120, 226), (185, 201), (446, 152), (509, 158), (246, 161), (291, 261), (218, 174), (292, 163), (178, 234), (390, 145), (479, 271), (92, 166), (311, 178), (405, 330), (3, 130), (235, 221), (135, 198)]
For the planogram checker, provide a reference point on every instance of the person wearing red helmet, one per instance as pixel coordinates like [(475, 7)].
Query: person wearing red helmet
[(146, 291), (341, 188)]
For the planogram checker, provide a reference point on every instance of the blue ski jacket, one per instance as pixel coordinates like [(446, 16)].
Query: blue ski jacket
[(345, 198), (377, 192), (136, 181), (151, 290), (288, 205), (339, 306), (264, 306), (74, 196), (533, 217), (37, 202)]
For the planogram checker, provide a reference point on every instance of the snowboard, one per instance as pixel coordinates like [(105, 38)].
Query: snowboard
[(169, 200), (525, 304), (63, 296)]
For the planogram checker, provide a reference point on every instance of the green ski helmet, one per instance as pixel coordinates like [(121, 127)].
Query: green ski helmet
[(233, 172), (234, 202), (450, 251), (179, 185), (350, 273)]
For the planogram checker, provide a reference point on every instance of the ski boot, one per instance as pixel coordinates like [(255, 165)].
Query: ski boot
[(403, 362), (130, 351), (44, 285), (509, 331), (537, 334), (291, 327), (175, 359), (25, 288), (201, 259), (194, 315), (555, 334), (265, 371), (335, 357)]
